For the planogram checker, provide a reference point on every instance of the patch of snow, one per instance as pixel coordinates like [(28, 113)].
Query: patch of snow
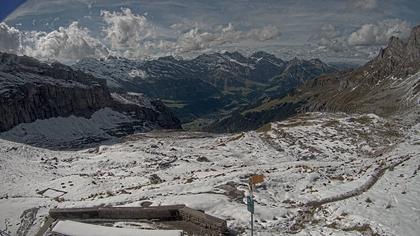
[(242, 64), (133, 98), (65, 130), (137, 73)]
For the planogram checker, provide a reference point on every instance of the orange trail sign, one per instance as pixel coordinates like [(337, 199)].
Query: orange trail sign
[(256, 179)]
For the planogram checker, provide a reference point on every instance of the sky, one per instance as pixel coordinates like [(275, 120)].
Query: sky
[(332, 30), (8, 6)]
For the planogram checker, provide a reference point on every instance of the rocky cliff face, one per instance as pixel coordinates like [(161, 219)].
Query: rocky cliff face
[(31, 90), (141, 108)]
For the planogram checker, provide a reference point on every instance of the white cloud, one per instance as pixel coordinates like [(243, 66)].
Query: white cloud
[(197, 39), (379, 33), (362, 43), (263, 34), (126, 32), (193, 40), (186, 25), (365, 4), (72, 42), (9, 39), (129, 35), (328, 35)]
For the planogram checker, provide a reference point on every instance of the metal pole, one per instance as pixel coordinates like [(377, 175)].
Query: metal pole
[(252, 224), (252, 214)]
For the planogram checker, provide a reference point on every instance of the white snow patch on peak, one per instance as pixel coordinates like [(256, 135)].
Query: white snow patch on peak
[(240, 63), (122, 99), (137, 73), (133, 98)]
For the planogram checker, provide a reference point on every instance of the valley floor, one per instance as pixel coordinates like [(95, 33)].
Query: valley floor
[(326, 174)]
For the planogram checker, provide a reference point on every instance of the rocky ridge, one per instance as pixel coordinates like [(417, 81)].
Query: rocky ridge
[(387, 85), (31, 90)]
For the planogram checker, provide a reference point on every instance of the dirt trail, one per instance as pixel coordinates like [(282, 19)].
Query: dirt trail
[(373, 178)]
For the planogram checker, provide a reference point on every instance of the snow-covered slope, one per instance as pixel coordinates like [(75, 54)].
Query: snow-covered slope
[(74, 132), (325, 174)]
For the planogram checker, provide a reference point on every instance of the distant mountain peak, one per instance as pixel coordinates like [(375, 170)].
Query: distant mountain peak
[(168, 58), (413, 44), (399, 58), (233, 54), (259, 54), (295, 61), (394, 50), (415, 32)]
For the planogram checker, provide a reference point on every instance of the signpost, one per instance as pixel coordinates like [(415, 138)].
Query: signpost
[(250, 204), (256, 179), (253, 180)]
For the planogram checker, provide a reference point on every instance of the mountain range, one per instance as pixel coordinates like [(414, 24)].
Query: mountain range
[(218, 92), (209, 85), (388, 85)]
